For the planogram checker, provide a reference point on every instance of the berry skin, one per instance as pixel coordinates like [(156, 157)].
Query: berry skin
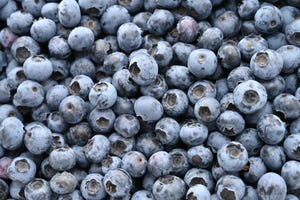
[(4, 164), (127, 125), (81, 38), (62, 158), (232, 157), (160, 163), (103, 95), (193, 133), (143, 69), (169, 187), (38, 189), (92, 148), (20, 22), (254, 169), (129, 37), (37, 68), (117, 183), (266, 64), (148, 114), (200, 156), (175, 102), (291, 146), (274, 181), (202, 63), (230, 187), (198, 192), (197, 176), (69, 13), (63, 183), (135, 163), (289, 172), (207, 109), (230, 123), (21, 169), (160, 22), (43, 30), (92, 187), (11, 133)]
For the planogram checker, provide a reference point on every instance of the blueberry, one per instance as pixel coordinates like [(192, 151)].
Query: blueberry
[(249, 96), (156, 89), (207, 109), (73, 109), (55, 95), (110, 162), (193, 133), (229, 23), (198, 192), (129, 37), (146, 113), (135, 163), (289, 172), (289, 64), (230, 123), (101, 121), (92, 187), (273, 156), (92, 148), (16, 76), (230, 187), (268, 125), (167, 131), (175, 102), (251, 44), (113, 17), (33, 7), (198, 9), (232, 156), (59, 47), (266, 64), (160, 163), (37, 68), (21, 169), (211, 39), (100, 49), (291, 197), (254, 170), (181, 51), (127, 125), (81, 85), (117, 183), (169, 187), (37, 189), (115, 62), (81, 38), (63, 183), (142, 195), (274, 87), (50, 11), (123, 106), (43, 30), (291, 146), (270, 186), (140, 19), (46, 170), (197, 176), (132, 6), (24, 47), (7, 37), (123, 83), (16, 190), (160, 22), (62, 158), (120, 145), (187, 28), (20, 22), (292, 31), (251, 141), (238, 75), (202, 62), (268, 19), (289, 14), (91, 23), (82, 66), (11, 133), (216, 140), (276, 40), (200, 156), (178, 76), (143, 69), (147, 144), (247, 9), (69, 13), (162, 52), (7, 9), (287, 105), (3, 3)]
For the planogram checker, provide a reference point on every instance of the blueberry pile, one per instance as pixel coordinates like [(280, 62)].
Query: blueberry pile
[(149, 99)]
